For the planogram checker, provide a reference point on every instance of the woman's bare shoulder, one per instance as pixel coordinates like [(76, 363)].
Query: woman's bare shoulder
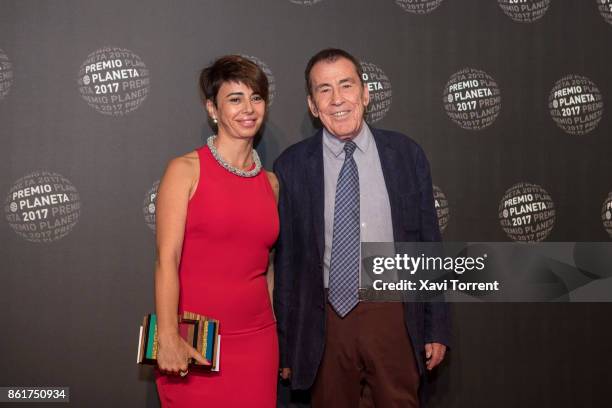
[(273, 182), (185, 167), (186, 162), (272, 177)]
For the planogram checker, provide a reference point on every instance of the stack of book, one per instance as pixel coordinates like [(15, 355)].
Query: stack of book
[(201, 332)]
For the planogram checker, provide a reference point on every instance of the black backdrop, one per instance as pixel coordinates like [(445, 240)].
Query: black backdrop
[(77, 269)]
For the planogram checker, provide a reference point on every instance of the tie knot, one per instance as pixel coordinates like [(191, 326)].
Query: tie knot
[(349, 148)]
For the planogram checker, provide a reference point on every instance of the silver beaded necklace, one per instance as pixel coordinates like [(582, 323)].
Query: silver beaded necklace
[(242, 173)]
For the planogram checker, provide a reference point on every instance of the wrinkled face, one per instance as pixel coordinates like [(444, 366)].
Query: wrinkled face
[(239, 111), (338, 97)]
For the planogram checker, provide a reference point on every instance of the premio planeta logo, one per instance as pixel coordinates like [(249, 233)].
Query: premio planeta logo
[(42, 206), (6, 75), (305, 2), (442, 209), (524, 11), (114, 81), (271, 80), (381, 93), (149, 206), (576, 105), (605, 9), (472, 99), (606, 214), (527, 213), (419, 6)]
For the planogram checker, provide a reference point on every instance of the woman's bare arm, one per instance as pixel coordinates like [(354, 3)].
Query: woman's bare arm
[(177, 184)]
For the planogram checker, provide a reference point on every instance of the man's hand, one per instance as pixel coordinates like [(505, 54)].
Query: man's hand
[(285, 373), (434, 354)]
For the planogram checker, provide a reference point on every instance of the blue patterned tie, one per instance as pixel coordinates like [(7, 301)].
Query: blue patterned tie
[(344, 263)]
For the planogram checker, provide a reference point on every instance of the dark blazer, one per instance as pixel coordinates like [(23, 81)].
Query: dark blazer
[(299, 299)]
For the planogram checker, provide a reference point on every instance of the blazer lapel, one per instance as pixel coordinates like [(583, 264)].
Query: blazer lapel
[(390, 163), (316, 187)]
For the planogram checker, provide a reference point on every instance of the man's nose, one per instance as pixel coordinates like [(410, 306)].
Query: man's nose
[(336, 98)]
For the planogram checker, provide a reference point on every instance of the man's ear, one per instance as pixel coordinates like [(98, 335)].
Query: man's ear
[(313, 107), (366, 95)]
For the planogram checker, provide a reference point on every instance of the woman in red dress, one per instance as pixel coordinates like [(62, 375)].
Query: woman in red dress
[(216, 224)]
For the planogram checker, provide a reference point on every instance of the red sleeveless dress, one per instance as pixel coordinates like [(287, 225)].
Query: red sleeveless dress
[(232, 223)]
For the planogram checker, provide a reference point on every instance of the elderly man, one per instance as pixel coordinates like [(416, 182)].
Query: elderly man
[(347, 184)]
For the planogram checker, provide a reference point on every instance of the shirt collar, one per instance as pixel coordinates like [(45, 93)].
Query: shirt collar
[(336, 146)]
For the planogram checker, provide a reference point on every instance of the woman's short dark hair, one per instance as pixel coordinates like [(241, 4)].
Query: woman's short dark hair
[(330, 55), (232, 68)]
